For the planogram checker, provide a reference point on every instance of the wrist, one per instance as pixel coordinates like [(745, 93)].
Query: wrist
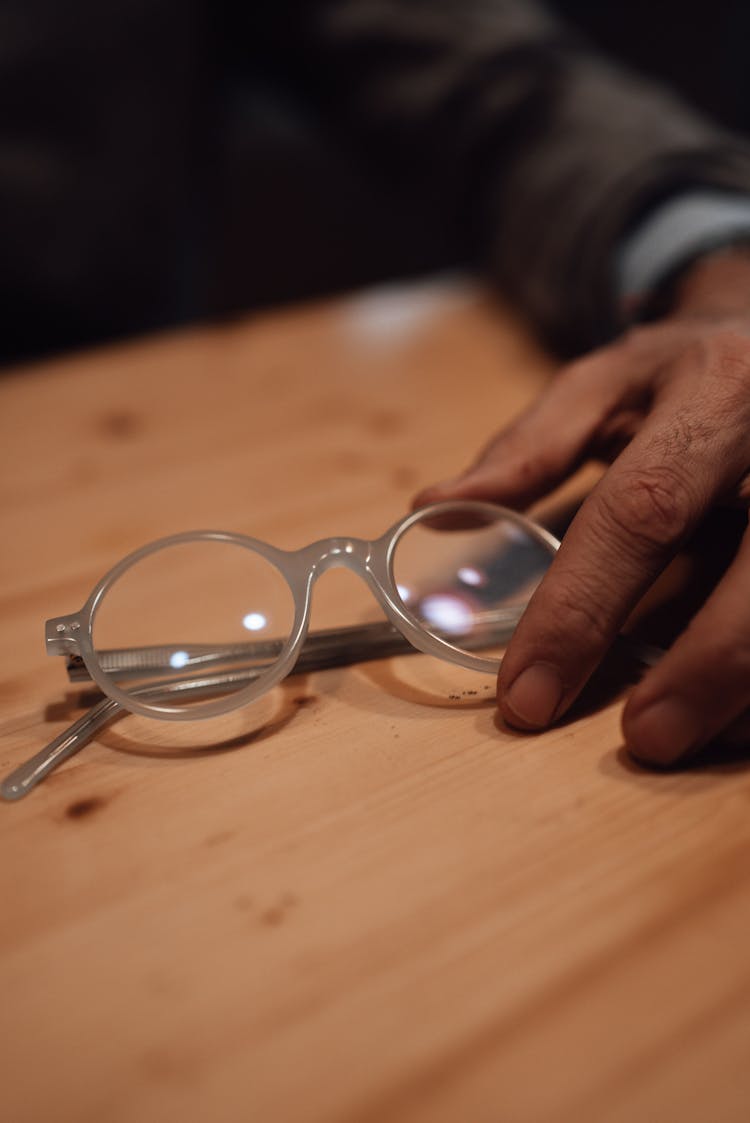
[(717, 283), (669, 242)]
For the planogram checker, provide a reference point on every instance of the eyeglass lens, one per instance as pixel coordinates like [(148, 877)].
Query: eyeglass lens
[(467, 577), (198, 607)]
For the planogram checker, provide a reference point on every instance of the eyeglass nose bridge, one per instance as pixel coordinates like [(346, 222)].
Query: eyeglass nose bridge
[(367, 559), (337, 553)]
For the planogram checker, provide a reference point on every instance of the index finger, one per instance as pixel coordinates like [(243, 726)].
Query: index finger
[(625, 533)]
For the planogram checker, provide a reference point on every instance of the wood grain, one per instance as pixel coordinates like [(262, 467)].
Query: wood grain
[(361, 900)]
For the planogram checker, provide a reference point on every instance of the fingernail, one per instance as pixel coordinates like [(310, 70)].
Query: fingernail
[(534, 696), (662, 732)]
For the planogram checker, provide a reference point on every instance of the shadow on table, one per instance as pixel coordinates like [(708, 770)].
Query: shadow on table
[(716, 759), (190, 739)]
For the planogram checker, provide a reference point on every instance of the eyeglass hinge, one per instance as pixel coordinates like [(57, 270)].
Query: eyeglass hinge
[(61, 635)]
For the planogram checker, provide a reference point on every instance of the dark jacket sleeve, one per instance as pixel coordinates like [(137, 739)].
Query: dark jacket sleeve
[(545, 151)]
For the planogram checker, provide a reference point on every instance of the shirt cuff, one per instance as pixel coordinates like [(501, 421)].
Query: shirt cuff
[(673, 235)]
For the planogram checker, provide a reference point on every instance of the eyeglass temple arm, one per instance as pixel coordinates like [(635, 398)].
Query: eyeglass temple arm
[(24, 778), (19, 783), (326, 648), (317, 653), (321, 650)]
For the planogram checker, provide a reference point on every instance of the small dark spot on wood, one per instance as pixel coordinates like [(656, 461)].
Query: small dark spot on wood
[(160, 1064), (219, 837), (273, 917), (83, 807), (161, 984), (350, 461), (385, 422), (305, 699), (276, 914), (121, 424), (455, 697)]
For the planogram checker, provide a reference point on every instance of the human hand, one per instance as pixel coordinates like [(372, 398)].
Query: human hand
[(669, 405)]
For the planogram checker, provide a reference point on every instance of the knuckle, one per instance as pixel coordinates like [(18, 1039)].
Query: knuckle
[(726, 356), (686, 431), (733, 347), (732, 370), (652, 508), (721, 397), (576, 617)]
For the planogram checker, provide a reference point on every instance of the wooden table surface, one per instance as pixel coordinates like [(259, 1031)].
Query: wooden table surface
[(370, 902)]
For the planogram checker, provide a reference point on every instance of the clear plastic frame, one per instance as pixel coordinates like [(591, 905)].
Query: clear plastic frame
[(452, 579)]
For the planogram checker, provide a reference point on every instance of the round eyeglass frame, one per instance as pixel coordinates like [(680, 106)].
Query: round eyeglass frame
[(372, 560)]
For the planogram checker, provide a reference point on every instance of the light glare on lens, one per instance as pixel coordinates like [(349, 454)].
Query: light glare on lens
[(471, 570), (471, 576), (447, 612), (254, 621)]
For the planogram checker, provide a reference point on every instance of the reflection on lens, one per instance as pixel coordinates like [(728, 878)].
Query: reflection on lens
[(470, 573), (447, 613), (254, 622), (188, 613)]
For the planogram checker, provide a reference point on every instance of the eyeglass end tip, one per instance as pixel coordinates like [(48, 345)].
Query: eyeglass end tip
[(12, 790)]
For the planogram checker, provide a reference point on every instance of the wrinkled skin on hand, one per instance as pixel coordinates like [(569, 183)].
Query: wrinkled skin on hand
[(668, 405)]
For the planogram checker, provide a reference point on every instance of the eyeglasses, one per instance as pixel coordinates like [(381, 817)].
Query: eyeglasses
[(167, 632)]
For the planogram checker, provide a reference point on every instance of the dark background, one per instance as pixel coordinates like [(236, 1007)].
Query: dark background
[(213, 183)]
